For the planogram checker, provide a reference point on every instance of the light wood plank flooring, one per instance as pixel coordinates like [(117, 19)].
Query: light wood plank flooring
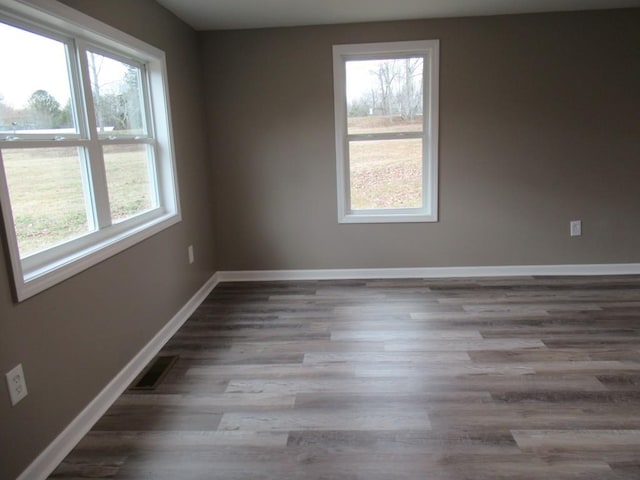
[(447, 379)]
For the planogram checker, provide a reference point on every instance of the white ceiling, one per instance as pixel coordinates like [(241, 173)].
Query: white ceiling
[(238, 14)]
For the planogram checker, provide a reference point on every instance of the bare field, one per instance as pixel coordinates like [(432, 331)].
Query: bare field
[(382, 124), (385, 173)]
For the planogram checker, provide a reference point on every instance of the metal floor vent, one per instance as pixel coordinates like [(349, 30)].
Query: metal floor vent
[(154, 373)]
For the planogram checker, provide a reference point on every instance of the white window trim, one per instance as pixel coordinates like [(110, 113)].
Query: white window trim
[(343, 53), (32, 277)]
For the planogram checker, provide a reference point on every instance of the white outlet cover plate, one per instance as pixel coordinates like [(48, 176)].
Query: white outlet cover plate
[(17, 384), (575, 228)]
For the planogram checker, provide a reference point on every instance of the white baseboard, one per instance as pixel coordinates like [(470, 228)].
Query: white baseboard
[(49, 459), (431, 272)]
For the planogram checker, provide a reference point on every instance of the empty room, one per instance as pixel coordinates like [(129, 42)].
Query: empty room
[(309, 239)]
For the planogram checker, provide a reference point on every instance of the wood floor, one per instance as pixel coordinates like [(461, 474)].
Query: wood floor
[(516, 378)]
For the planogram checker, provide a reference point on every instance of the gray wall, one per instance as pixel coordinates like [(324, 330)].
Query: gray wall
[(74, 338), (539, 125)]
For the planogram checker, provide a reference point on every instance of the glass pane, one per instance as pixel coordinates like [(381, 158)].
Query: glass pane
[(47, 197), (386, 174), (117, 96), (384, 95), (35, 93), (129, 180)]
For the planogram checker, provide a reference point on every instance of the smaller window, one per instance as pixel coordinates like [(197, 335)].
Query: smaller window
[(386, 122)]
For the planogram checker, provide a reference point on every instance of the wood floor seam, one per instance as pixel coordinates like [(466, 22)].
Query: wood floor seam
[(528, 378)]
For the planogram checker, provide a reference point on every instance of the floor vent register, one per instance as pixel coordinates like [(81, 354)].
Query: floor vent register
[(154, 373)]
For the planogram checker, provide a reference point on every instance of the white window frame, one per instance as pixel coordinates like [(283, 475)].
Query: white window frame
[(39, 271), (429, 50)]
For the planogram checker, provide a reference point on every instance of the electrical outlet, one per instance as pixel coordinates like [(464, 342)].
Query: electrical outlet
[(190, 252), (575, 228), (17, 384)]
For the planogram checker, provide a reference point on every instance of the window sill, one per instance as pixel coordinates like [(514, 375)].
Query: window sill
[(387, 218), (35, 281)]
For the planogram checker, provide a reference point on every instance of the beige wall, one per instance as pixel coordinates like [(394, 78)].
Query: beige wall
[(539, 125), (74, 338)]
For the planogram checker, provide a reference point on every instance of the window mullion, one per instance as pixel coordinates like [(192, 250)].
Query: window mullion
[(153, 173), (79, 113), (98, 181), (97, 175), (146, 106)]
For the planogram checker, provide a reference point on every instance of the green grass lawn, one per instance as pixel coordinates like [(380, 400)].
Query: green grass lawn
[(47, 195)]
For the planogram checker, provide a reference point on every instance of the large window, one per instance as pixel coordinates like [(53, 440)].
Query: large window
[(386, 121), (86, 155)]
